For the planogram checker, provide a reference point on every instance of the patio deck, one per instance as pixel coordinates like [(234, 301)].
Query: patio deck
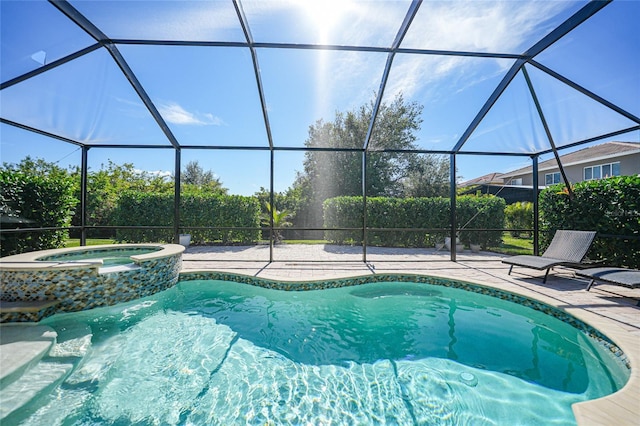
[(611, 309)]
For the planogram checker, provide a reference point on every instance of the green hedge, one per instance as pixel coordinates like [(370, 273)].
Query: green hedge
[(519, 215), (484, 212), (35, 201), (609, 206), (137, 208)]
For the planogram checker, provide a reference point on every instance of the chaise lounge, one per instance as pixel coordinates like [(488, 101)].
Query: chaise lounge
[(612, 275), (566, 248)]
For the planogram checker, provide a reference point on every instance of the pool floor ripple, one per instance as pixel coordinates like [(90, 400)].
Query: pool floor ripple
[(213, 352)]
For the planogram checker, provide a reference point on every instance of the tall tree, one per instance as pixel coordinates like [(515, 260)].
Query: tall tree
[(427, 176), (195, 177), (329, 174)]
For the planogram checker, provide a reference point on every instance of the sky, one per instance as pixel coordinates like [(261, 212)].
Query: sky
[(209, 96)]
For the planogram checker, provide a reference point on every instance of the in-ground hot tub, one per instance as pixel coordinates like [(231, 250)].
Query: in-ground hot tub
[(75, 279)]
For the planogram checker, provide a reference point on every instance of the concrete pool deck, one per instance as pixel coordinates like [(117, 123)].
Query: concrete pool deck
[(610, 309)]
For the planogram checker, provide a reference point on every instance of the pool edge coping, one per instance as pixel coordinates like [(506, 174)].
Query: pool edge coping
[(28, 261)]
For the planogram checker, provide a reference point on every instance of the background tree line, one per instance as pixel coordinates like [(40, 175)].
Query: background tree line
[(390, 172)]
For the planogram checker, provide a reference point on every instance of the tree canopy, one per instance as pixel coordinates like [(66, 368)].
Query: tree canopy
[(333, 166), (194, 177)]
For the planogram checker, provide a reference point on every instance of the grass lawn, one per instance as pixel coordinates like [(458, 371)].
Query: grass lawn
[(305, 241), (510, 245), (514, 245), (75, 242)]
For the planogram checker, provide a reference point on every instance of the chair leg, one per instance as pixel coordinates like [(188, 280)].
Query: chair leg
[(510, 268), (590, 284), (546, 274)]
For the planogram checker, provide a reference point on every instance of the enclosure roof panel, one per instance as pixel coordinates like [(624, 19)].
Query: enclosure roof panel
[(327, 22), (314, 86), (495, 77), (206, 95), (86, 100), (602, 57), (164, 20), (444, 84), (486, 26), (34, 34)]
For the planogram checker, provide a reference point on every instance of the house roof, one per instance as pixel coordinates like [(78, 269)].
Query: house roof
[(494, 177), (596, 152)]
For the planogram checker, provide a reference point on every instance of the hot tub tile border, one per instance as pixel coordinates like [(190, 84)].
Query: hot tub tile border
[(78, 289)]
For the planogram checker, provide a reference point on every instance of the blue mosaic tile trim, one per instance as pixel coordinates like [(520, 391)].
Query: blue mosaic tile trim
[(85, 288), (424, 279)]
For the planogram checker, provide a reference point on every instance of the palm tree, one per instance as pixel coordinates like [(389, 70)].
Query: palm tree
[(280, 220)]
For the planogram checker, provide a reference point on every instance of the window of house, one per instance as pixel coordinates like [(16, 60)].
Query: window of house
[(516, 181), (551, 178), (602, 171), (615, 169)]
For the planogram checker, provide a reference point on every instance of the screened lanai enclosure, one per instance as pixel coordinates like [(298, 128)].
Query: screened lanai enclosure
[(282, 97)]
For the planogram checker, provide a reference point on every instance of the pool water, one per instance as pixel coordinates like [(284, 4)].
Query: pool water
[(224, 353)]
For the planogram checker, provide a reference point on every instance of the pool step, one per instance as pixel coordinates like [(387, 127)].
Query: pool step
[(74, 341), (37, 379), (35, 358), (21, 347), (26, 310)]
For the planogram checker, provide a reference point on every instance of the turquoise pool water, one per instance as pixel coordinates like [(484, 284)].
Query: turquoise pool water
[(224, 353), (110, 257)]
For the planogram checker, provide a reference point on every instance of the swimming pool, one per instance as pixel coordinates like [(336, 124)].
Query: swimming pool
[(395, 352)]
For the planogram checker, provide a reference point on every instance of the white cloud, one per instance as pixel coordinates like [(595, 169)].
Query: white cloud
[(482, 26), (176, 114), (485, 26), (171, 20)]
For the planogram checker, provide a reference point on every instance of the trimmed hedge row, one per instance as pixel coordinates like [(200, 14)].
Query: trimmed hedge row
[(148, 209), (609, 206), (485, 212), (34, 201), (519, 215)]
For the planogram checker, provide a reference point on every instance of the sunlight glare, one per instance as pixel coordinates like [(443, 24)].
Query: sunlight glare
[(324, 15)]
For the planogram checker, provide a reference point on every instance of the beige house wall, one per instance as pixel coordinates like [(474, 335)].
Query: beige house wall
[(629, 165)]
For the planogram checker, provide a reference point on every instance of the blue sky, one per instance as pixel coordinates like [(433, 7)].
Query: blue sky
[(208, 95)]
